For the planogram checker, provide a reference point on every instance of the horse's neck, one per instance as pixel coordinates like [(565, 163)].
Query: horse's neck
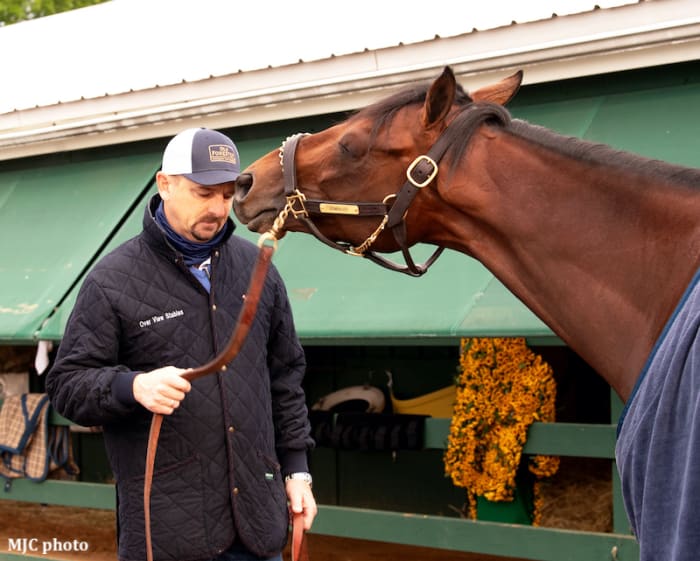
[(600, 258)]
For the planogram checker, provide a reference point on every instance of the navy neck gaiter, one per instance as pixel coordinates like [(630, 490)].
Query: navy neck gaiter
[(193, 252)]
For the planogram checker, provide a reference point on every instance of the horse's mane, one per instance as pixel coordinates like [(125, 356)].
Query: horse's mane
[(471, 115), (604, 155)]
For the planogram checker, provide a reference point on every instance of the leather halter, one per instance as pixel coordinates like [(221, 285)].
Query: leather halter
[(419, 174), (219, 364)]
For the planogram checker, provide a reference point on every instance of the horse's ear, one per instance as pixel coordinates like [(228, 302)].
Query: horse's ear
[(501, 92), (439, 98)]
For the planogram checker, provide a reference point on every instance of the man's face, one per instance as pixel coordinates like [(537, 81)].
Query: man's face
[(196, 212)]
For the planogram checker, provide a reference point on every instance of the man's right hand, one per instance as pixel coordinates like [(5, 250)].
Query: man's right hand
[(161, 390)]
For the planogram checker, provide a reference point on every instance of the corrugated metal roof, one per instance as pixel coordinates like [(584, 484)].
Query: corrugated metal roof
[(131, 45), (129, 70)]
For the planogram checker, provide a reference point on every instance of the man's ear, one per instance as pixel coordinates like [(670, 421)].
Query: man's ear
[(164, 183)]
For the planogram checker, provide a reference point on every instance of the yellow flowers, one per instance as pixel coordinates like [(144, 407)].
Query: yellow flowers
[(503, 387)]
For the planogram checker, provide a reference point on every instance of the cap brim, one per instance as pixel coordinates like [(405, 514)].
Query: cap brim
[(214, 177)]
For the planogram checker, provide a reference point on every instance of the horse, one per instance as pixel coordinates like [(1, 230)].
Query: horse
[(601, 244)]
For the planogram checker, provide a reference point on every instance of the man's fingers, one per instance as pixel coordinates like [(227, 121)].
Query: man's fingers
[(309, 518), (172, 378), (169, 401), (161, 391), (301, 499), (170, 393)]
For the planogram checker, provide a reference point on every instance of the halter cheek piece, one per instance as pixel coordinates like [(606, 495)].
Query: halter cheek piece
[(419, 174)]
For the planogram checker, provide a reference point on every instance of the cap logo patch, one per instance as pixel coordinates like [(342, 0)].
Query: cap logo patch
[(222, 153)]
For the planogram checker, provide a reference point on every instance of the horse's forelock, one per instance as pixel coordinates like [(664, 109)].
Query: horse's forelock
[(468, 116), (382, 112)]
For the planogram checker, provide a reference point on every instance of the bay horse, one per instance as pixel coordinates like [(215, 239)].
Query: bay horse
[(601, 244)]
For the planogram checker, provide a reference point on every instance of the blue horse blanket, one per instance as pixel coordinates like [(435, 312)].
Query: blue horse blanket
[(658, 446)]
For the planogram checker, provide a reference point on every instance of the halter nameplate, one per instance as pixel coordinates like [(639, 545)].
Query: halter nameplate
[(421, 172), (339, 208)]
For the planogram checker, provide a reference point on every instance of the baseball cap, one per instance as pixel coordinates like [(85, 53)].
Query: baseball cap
[(204, 156)]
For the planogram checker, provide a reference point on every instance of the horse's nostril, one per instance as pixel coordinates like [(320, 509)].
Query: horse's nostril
[(243, 184)]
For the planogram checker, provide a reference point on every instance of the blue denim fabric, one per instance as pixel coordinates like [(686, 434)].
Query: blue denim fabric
[(239, 553)]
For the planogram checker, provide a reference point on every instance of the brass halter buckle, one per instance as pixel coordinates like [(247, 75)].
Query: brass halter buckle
[(419, 160), (296, 206)]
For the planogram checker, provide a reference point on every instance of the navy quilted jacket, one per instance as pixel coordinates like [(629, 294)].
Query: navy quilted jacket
[(223, 453)]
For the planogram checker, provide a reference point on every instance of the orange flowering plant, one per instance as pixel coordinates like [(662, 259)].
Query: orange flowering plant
[(502, 388)]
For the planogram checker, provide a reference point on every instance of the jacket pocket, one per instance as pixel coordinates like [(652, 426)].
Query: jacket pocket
[(262, 513), (177, 513), (273, 476)]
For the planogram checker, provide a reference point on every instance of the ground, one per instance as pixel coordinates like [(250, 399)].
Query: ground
[(578, 497), (96, 528)]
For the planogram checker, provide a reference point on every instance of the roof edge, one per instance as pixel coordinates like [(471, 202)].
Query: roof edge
[(603, 41)]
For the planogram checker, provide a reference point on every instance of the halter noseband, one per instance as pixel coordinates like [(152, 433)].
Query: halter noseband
[(419, 174)]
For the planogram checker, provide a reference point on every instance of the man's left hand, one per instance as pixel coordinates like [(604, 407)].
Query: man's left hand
[(301, 499)]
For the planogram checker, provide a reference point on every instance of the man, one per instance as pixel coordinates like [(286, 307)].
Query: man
[(233, 446)]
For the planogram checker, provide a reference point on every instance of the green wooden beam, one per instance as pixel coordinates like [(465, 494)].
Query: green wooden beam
[(571, 439), (488, 538), (620, 521), (556, 439), (56, 419), (513, 540), (58, 492), (19, 557)]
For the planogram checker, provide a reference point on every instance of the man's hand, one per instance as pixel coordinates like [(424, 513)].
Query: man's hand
[(161, 390), (301, 499)]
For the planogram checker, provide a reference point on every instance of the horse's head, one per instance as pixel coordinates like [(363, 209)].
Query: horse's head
[(364, 160)]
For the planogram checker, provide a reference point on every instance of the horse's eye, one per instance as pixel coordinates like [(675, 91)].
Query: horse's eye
[(352, 146)]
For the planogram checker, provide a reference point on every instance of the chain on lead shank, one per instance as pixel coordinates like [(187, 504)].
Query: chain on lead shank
[(273, 234), (296, 198)]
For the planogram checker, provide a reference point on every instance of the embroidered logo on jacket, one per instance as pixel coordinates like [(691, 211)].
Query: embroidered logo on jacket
[(158, 318)]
